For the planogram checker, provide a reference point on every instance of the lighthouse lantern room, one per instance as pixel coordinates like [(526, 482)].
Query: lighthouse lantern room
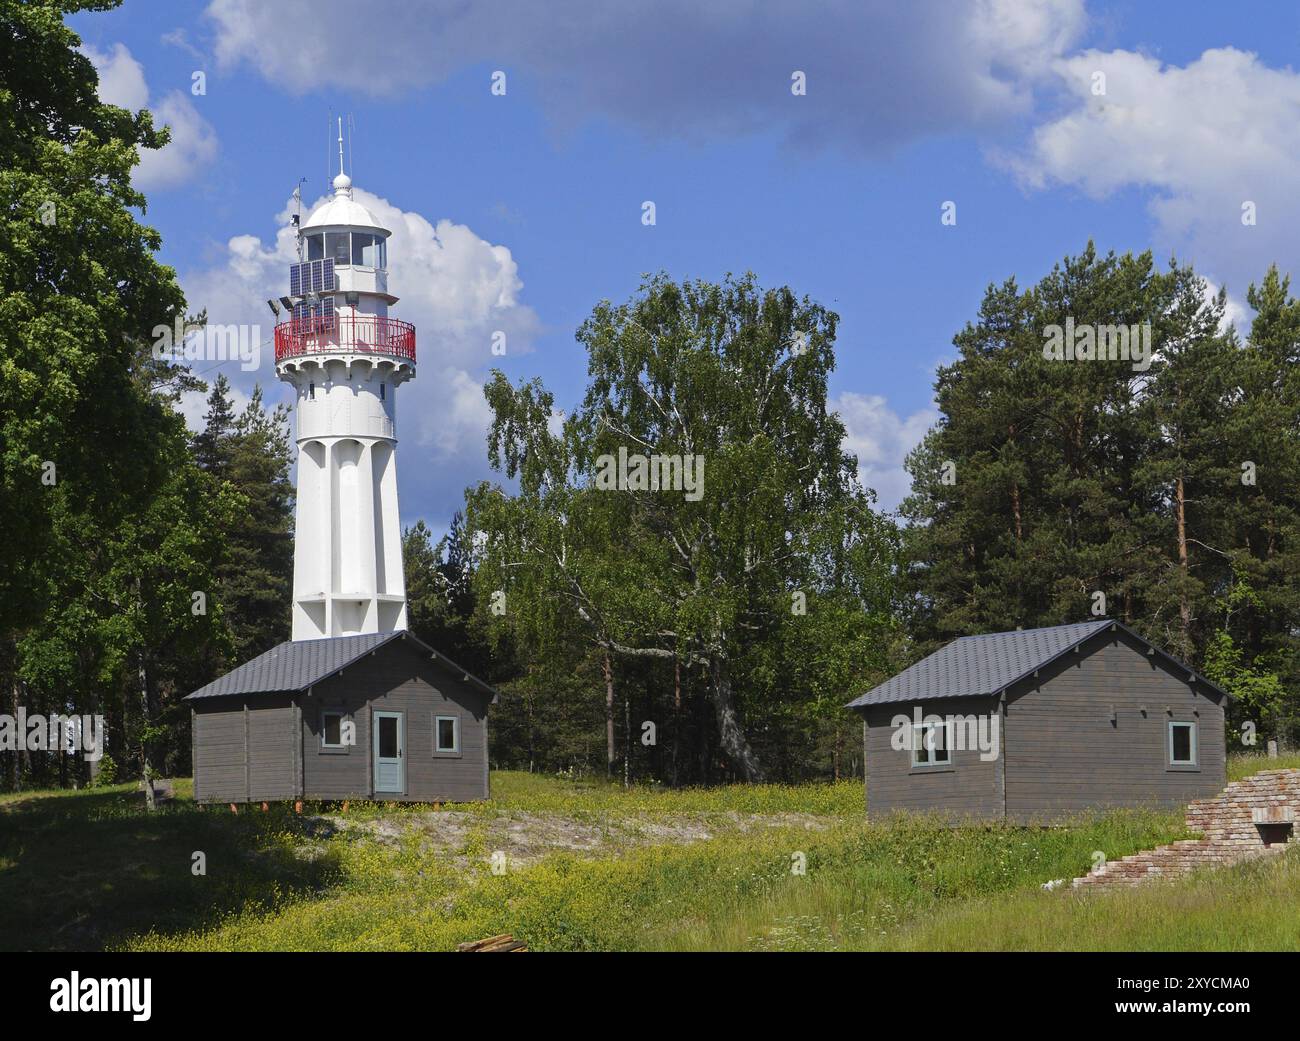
[(345, 356)]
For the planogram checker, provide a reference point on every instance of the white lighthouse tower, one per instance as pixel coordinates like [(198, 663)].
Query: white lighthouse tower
[(345, 357)]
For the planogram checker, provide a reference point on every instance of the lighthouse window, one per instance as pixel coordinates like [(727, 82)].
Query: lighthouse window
[(311, 391), (383, 252), (336, 247), (315, 247), (364, 250), (382, 388)]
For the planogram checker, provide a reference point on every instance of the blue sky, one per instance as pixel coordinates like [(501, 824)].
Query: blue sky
[(520, 212)]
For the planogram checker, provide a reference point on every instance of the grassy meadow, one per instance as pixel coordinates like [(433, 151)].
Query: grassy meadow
[(573, 865)]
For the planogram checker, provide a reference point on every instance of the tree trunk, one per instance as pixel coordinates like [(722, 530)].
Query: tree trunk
[(677, 715), (1184, 606), (733, 739), (17, 760), (149, 710), (1015, 491), (610, 754)]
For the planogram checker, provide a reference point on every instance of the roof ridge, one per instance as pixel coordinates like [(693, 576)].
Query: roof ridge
[(1035, 629)]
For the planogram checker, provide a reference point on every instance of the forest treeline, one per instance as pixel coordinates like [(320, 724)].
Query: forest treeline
[(684, 634)]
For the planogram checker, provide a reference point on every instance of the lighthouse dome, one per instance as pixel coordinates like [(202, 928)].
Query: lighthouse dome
[(343, 210)]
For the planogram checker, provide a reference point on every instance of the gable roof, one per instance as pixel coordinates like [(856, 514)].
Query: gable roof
[(295, 665), (981, 666)]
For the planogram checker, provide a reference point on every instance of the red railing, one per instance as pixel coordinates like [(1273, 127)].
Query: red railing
[(361, 334)]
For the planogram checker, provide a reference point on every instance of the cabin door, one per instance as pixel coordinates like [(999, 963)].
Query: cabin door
[(390, 742)]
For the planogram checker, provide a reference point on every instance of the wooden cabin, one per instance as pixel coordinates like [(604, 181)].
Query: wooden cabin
[(372, 716), (1037, 724)]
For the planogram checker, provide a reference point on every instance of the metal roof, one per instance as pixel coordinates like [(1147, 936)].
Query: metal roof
[(295, 665), (975, 666), (343, 211)]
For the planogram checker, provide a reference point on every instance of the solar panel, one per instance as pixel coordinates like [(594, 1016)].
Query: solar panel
[(295, 279), (328, 275), (317, 276)]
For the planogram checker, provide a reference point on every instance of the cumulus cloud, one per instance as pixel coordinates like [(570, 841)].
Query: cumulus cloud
[(881, 439), (877, 74), (193, 142), (1204, 139)]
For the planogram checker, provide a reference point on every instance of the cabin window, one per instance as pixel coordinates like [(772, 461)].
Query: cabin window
[(446, 733), (332, 730), (1182, 744), (382, 389), (315, 247), (931, 744), (311, 391)]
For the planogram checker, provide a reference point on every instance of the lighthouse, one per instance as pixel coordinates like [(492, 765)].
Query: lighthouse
[(345, 356), (354, 705)]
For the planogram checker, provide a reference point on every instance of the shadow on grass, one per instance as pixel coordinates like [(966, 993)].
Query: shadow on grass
[(87, 870)]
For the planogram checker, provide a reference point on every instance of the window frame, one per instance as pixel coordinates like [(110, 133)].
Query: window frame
[(919, 746), (325, 747), (1195, 745), (447, 753)]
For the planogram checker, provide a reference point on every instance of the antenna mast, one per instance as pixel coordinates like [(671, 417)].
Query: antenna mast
[(297, 217)]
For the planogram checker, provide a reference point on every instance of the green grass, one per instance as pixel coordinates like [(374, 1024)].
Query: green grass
[(518, 791), (83, 870), (1250, 907), (705, 895), (92, 869), (1244, 764)]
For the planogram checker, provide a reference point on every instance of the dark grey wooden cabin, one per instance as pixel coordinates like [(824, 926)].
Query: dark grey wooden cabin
[(373, 716), (1087, 716)]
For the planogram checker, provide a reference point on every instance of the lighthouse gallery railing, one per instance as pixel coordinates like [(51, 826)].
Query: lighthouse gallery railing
[(360, 334)]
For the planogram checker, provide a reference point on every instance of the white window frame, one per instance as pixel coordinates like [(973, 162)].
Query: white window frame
[(1195, 743), (324, 743), (437, 749), (918, 745)]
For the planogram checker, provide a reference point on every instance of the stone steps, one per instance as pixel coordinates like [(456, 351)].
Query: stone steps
[(1248, 819)]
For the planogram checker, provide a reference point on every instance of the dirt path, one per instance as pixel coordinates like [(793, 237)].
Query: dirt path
[(526, 837)]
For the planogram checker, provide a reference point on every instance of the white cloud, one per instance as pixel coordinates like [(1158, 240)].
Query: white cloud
[(878, 74), (881, 439), (193, 142), (1203, 139), (1235, 312), (121, 77), (460, 426)]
